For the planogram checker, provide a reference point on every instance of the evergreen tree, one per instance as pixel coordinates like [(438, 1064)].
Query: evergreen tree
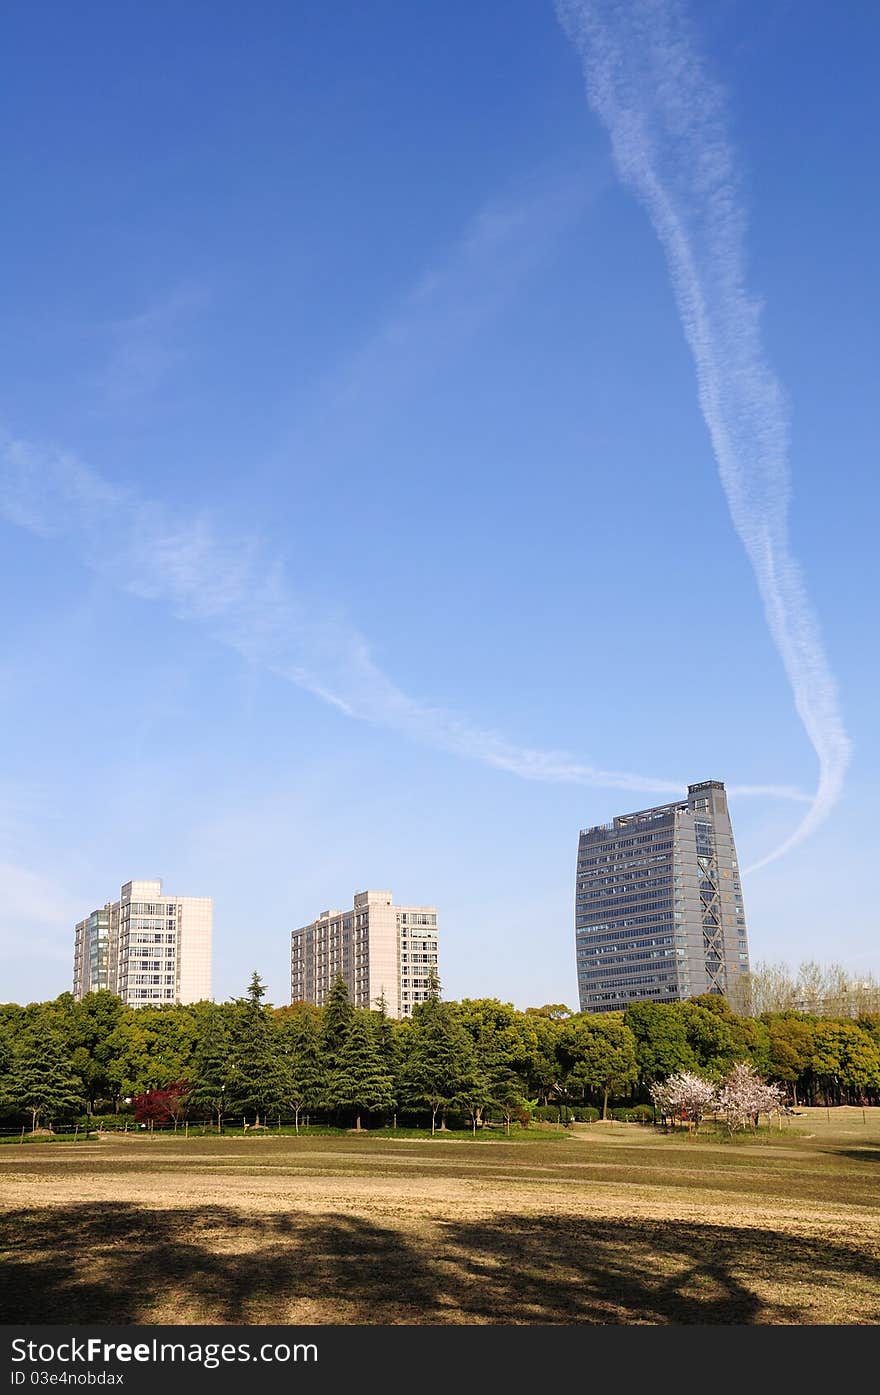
[(42, 1080), (257, 1080), (338, 1017), (360, 1080), (439, 1068), (212, 1063), (304, 1072), (385, 1032), (256, 991)]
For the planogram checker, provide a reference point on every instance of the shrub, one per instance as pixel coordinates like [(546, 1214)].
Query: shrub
[(549, 1113), (642, 1113), (583, 1114), (634, 1114)]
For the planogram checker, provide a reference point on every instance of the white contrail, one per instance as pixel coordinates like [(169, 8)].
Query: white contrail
[(228, 584), (666, 118)]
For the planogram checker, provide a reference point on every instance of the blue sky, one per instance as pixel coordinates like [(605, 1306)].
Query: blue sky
[(361, 522)]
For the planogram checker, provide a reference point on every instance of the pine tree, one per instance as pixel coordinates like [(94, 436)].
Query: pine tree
[(212, 1067), (256, 991), (440, 1067), (338, 1017), (257, 1081), (42, 1080), (360, 1080), (385, 1033), (305, 1076)]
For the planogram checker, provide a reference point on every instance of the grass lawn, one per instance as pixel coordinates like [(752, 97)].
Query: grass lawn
[(602, 1223)]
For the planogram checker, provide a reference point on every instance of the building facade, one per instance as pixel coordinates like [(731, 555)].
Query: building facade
[(379, 948), (147, 947), (658, 904)]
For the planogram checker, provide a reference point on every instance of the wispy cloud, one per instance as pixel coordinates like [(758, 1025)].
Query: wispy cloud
[(442, 313), (233, 587), (145, 348), (665, 114), (208, 574), (35, 911)]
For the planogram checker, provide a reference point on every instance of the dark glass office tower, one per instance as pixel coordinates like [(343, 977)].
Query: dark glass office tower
[(658, 905)]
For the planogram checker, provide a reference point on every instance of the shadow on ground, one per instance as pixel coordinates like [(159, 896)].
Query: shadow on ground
[(119, 1263)]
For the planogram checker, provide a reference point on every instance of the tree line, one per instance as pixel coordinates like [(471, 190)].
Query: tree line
[(452, 1062)]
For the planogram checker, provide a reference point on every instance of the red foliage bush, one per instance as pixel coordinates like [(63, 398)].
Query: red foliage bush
[(160, 1106)]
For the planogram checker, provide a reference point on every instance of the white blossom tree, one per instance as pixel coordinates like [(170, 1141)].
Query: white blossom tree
[(684, 1095), (744, 1096)]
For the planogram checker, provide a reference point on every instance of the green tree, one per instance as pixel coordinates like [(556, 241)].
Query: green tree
[(844, 1056), (257, 1078), (304, 1073), (338, 1017), (661, 1043), (94, 1020), (212, 1067), (869, 1023), (509, 1058), (790, 1047), (544, 1075), (439, 1066), (709, 1036), (360, 1080), (385, 1034), (553, 1012), (600, 1053), (151, 1047), (42, 1081)]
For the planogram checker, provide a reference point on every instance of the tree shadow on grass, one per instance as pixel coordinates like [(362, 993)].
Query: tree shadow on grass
[(120, 1263)]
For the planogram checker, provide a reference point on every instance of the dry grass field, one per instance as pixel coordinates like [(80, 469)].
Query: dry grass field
[(605, 1224)]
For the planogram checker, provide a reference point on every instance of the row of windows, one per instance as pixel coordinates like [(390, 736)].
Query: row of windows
[(627, 982), (602, 946), (623, 922), (617, 968), (659, 853), (617, 900), (622, 905), (661, 994), (662, 838), (652, 876)]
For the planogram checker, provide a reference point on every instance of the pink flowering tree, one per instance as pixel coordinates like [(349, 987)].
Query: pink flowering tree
[(744, 1096), (684, 1096)]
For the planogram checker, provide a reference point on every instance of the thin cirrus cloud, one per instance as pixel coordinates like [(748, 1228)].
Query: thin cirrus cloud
[(647, 82), (230, 585)]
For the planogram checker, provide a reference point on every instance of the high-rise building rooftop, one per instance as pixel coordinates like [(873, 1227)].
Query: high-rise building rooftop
[(658, 904), (147, 948), (383, 952)]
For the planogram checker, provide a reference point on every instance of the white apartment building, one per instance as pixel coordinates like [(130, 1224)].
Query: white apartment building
[(379, 948), (147, 947)]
